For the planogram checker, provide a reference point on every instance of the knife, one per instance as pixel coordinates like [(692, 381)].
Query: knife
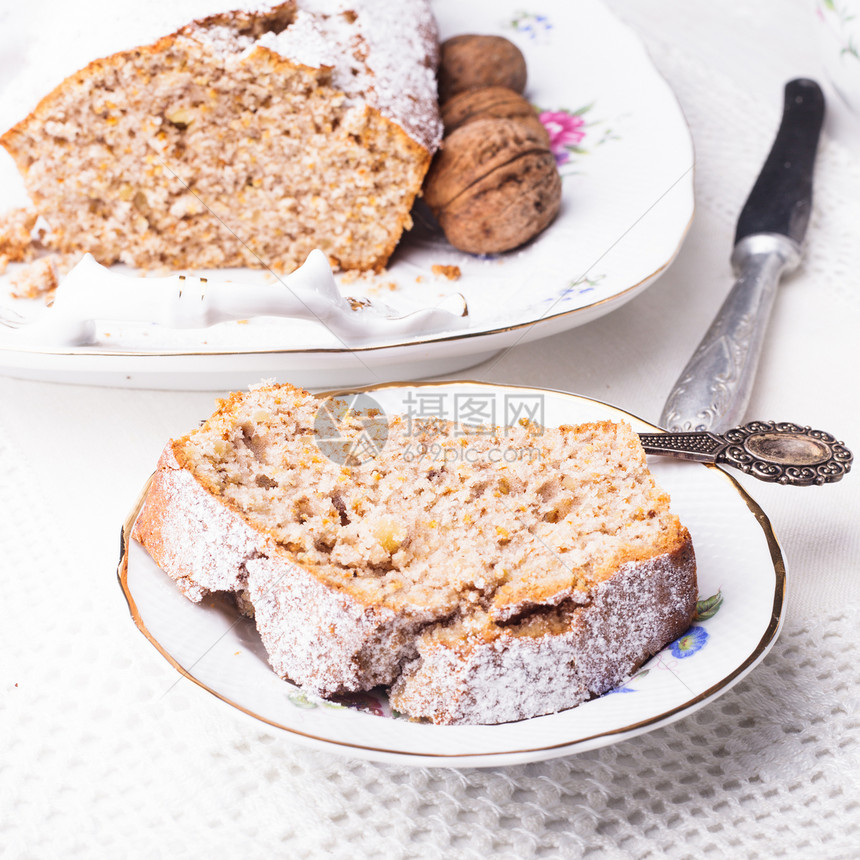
[(713, 390)]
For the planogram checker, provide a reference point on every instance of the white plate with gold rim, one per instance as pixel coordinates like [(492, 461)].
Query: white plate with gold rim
[(741, 587), (626, 158)]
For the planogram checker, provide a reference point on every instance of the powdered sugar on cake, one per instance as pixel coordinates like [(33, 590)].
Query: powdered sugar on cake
[(483, 594), (321, 35), (514, 676), (345, 34), (55, 46)]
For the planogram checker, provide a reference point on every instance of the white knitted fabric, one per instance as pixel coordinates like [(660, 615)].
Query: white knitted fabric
[(106, 752)]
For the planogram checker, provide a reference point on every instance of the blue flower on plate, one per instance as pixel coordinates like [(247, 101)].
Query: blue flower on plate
[(532, 24), (573, 291), (691, 642)]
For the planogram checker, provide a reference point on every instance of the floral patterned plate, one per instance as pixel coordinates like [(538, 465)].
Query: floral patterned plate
[(741, 586), (626, 158)]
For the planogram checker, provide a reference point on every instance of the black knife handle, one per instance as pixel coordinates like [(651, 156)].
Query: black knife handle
[(781, 199)]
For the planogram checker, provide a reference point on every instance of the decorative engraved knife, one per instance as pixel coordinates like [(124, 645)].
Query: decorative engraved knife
[(714, 388), (713, 391)]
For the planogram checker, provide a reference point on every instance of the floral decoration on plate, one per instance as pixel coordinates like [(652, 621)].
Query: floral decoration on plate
[(532, 24)]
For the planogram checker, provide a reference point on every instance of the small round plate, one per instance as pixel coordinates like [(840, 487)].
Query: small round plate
[(741, 588)]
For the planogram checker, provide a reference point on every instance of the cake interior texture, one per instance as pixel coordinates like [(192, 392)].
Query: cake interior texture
[(498, 519), (460, 539), (212, 148)]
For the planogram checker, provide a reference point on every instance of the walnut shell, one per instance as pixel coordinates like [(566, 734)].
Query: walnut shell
[(471, 61), (493, 186), (488, 103), (474, 150)]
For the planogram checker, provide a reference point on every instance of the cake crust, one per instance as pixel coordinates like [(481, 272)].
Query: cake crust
[(350, 593), (501, 675)]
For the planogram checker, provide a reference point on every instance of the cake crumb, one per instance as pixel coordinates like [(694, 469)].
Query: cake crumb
[(40, 278), (16, 240), (349, 277), (452, 273)]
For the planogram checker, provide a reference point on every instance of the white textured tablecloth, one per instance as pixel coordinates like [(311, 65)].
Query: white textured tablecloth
[(102, 754)]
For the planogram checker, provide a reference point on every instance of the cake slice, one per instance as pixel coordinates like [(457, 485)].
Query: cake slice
[(246, 137), (488, 576)]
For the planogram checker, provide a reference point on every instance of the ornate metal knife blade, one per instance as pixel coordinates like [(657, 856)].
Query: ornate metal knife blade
[(713, 390)]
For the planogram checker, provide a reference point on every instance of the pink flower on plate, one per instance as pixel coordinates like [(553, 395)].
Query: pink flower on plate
[(566, 131)]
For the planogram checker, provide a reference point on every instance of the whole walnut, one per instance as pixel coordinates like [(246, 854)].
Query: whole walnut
[(470, 61), (489, 103), (494, 185)]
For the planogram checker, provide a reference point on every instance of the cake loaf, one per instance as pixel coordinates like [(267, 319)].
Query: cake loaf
[(245, 137), (483, 576)]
